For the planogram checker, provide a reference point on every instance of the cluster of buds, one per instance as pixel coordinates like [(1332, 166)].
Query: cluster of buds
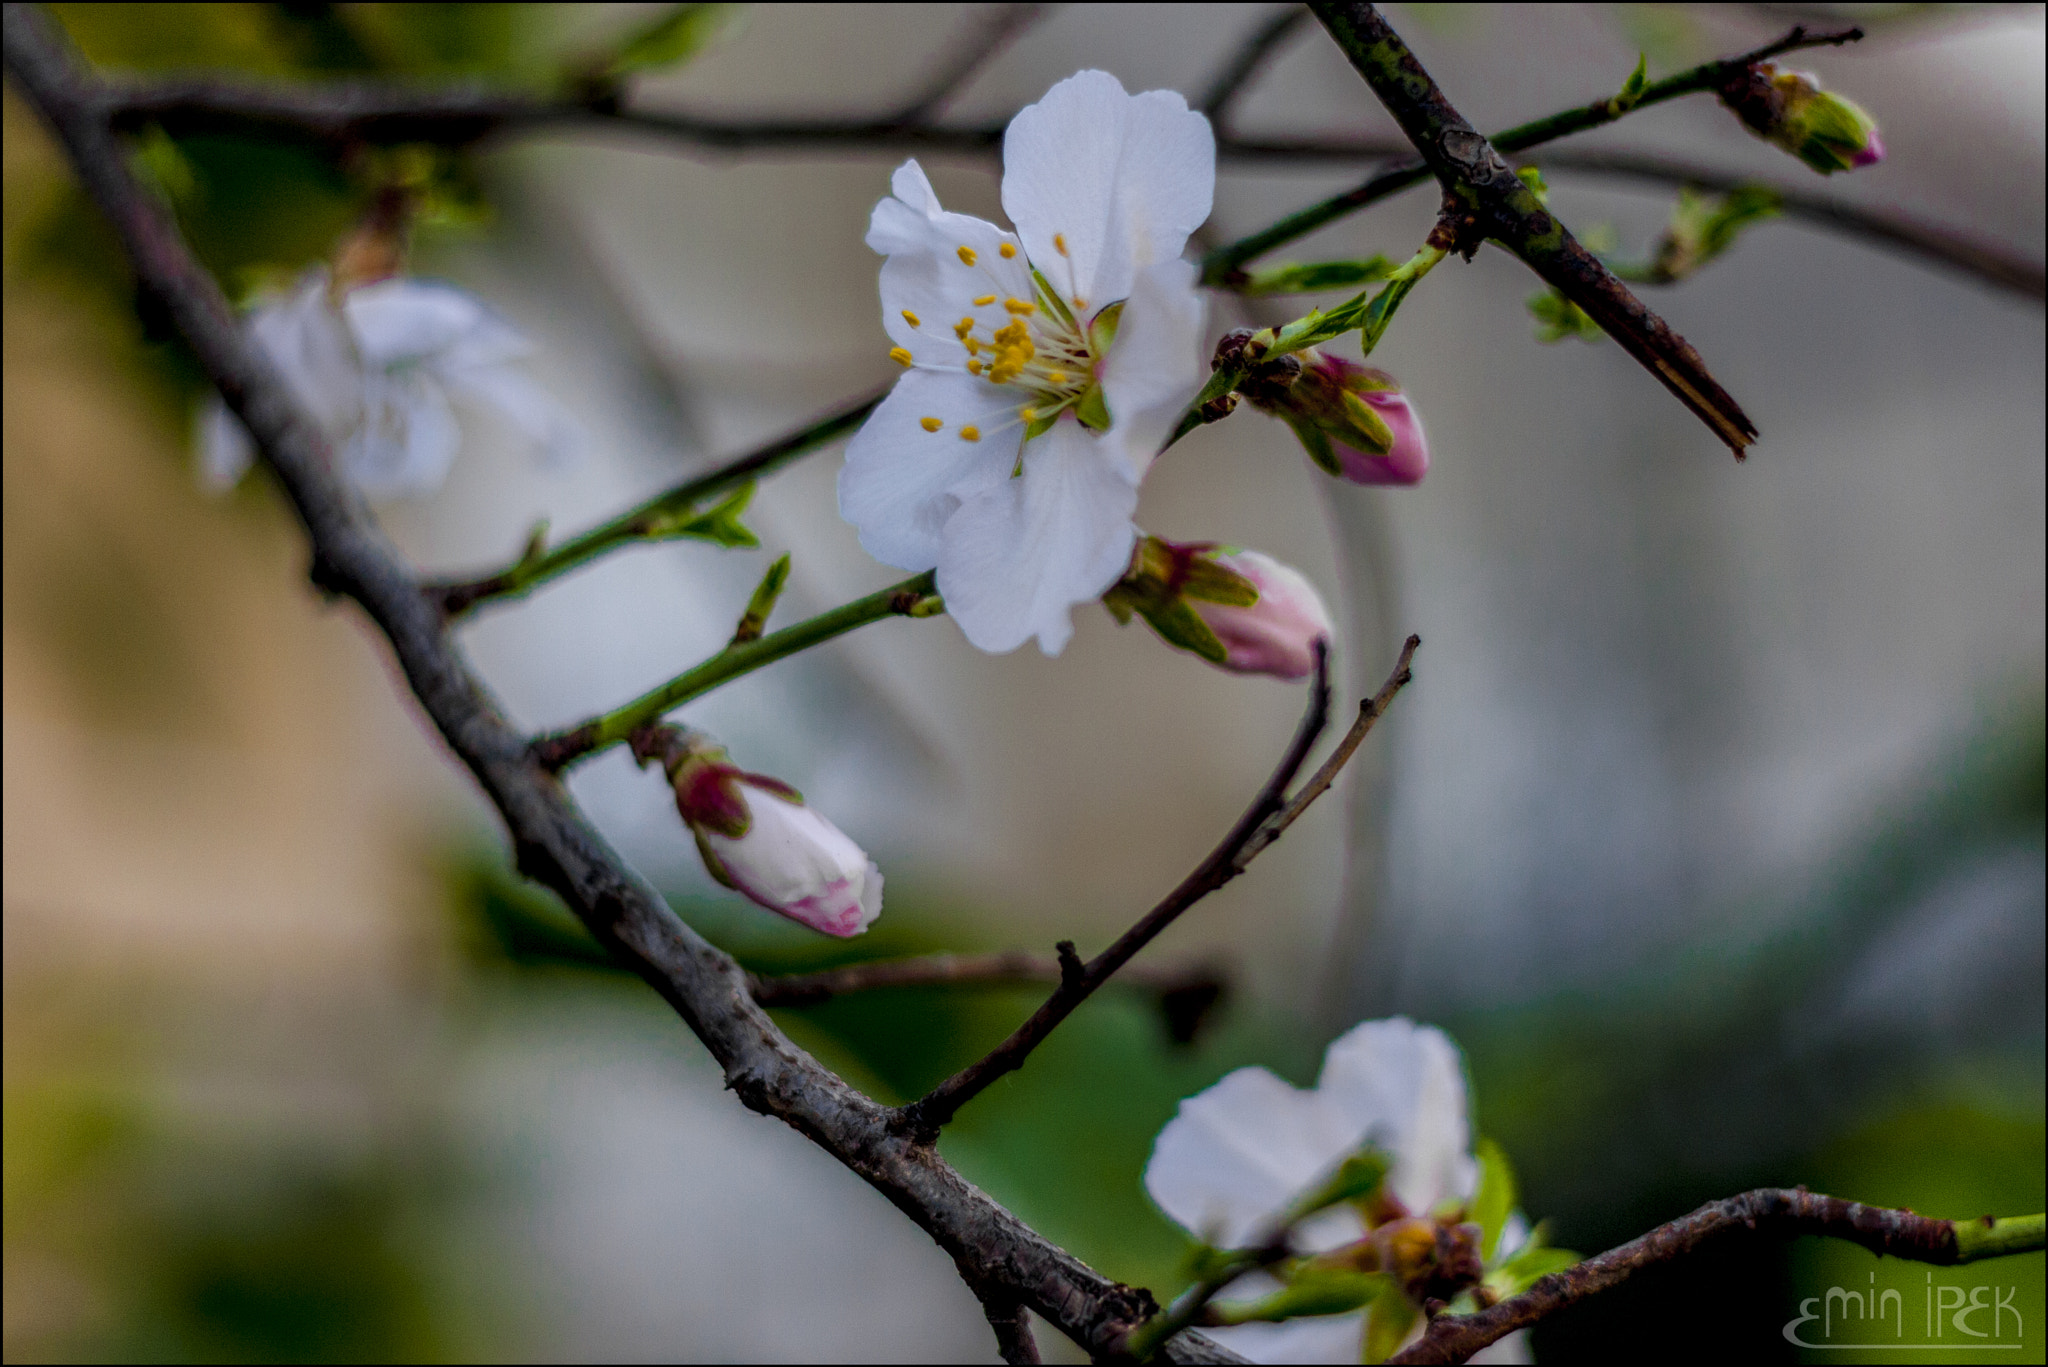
[(1352, 418), (1790, 109), (1239, 609), (759, 838)]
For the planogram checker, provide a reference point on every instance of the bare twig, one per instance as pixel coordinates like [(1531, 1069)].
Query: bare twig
[(1232, 81), (1772, 1212), (1003, 968), (925, 1116), (1012, 1326), (1484, 200), (555, 844), (995, 29)]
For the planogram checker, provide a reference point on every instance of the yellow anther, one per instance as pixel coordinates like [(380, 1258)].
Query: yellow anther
[(1059, 243), (1019, 306), (962, 328), (1009, 250), (974, 367), (970, 433), (911, 319), (966, 255), (1079, 302), (973, 347), (1057, 377), (1028, 413), (900, 356), (984, 299), (930, 424)]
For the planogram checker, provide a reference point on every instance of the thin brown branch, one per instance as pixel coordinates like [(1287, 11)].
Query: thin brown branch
[(1004, 968), (554, 842), (1485, 200), (1770, 1213), (1012, 1326), (927, 1115), (1244, 64), (993, 30)]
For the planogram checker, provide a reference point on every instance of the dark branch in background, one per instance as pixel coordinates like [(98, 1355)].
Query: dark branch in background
[(1772, 1213), (994, 30), (637, 523), (1262, 823), (555, 845), (341, 114), (1484, 200), (1245, 63)]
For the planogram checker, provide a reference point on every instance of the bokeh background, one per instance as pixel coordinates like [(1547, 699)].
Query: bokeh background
[(1712, 827)]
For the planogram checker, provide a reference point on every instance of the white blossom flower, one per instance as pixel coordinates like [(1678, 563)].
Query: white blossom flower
[(1046, 365), (1236, 1156), (377, 370)]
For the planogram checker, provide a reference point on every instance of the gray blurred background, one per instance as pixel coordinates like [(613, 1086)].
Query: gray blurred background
[(1711, 826)]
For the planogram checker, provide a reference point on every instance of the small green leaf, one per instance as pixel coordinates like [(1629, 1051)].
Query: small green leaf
[(1317, 443), (1532, 176), (1093, 409), (1387, 1325), (1314, 1289), (1357, 1178), (720, 524), (1494, 1198), (1558, 318), (762, 603), (1212, 583), (677, 36), (1320, 275), (1632, 89), (1178, 624), (1528, 1267)]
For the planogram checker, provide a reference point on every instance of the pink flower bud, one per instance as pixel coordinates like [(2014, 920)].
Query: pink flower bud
[(759, 838), (1353, 419), (1871, 154), (1406, 461), (1276, 635)]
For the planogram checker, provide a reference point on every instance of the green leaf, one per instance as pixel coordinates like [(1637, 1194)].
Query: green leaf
[(1632, 89), (1494, 1198), (1320, 275), (1178, 624), (1558, 318), (1532, 177), (1528, 1267), (1357, 1178), (1387, 1323), (720, 524), (677, 36), (1314, 1289), (1317, 443), (762, 603)]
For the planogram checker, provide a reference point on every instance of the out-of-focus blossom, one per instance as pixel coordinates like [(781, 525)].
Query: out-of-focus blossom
[(1046, 366), (759, 838), (1789, 108), (1239, 1156), (1276, 635), (1353, 419), (377, 370)]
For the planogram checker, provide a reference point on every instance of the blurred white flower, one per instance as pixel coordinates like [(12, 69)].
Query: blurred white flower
[(1046, 366), (1236, 1156), (377, 372)]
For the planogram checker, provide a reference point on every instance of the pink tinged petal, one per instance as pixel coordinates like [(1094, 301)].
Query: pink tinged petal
[(1277, 634), (1406, 461), (1016, 558), (1158, 363), (709, 799), (1406, 1084), (1234, 1156), (926, 277), (1120, 179), (1871, 153), (796, 863), (900, 483)]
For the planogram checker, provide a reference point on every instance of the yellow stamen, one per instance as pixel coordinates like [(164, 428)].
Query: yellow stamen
[(930, 424), (1028, 413), (1059, 243), (984, 299), (911, 319), (1057, 377), (974, 367), (1018, 306), (1079, 302), (1008, 251), (970, 434), (966, 255), (962, 328), (900, 356)]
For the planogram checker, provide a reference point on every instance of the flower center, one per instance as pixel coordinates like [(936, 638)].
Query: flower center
[(1042, 350)]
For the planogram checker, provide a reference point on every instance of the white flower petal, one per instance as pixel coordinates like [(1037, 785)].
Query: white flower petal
[(1233, 1156), (1121, 179), (226, 450), (1157, 365), (306, 340), (1406, 1084), (1016, 558), (540, 417), (1317, 1339), (901, 483), (407, 440), (401, 321), (926, 277), (795, 862)]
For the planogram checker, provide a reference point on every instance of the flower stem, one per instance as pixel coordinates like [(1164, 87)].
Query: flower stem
[(1990, 1238), (1222, 266), (915, 597), (660, 517)]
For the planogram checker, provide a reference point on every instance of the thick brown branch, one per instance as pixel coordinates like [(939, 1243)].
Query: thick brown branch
[(1484, 200), (1771, 1212), (555, 845)]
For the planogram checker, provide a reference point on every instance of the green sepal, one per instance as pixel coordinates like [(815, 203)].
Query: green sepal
[(1038, 427), (1121, 604), (720, 524), (1493, 1199), (1317, 275), (676, 36), (1387, 1325), (1178, 624), (1093, 409), (1369, 431), (1103, 326), (713, 864), (1632, 89), (1212, 583), (1313, 1289), (1317, 443), (1050, 297)]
